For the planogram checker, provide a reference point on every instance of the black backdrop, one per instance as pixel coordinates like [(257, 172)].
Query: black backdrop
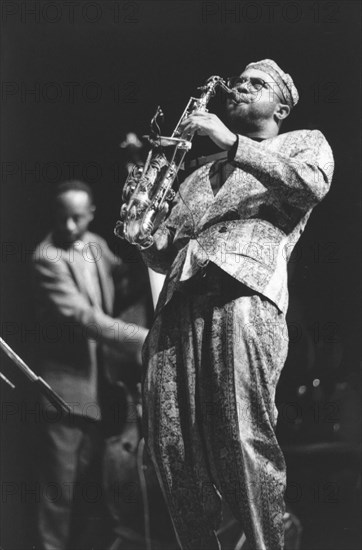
[(76, 76)]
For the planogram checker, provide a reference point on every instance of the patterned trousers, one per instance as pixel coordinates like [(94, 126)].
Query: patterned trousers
[(212, 365)]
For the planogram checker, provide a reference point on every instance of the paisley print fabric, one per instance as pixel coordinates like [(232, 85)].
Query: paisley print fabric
[(219, 339), (209, 414), (250, 226)]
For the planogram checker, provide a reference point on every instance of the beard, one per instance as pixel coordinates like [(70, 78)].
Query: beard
[(248, 116)]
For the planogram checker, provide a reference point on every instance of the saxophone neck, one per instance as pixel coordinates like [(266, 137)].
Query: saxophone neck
[(197, 105)]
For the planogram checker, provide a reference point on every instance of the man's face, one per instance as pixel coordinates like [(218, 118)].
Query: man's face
[(258, 99), (73, 213)]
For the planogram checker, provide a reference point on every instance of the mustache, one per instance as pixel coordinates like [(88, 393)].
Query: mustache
[(238, 97)]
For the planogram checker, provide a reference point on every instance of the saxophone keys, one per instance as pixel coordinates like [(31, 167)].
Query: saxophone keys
[(123, 212), (118, 230), (170, 195)]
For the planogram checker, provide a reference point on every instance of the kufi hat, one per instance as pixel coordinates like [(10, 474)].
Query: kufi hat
[(283, 80)]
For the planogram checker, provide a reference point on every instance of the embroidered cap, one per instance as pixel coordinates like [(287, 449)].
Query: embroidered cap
[(283, 80)]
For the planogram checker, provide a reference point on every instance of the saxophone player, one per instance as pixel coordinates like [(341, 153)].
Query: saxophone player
[(219, 339)]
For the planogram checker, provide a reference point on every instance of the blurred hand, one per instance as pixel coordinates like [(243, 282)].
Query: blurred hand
[(133, 342), (141, 340)]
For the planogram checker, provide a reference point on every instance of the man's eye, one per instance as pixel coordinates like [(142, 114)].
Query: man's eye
[(258, 84), (236, 82)]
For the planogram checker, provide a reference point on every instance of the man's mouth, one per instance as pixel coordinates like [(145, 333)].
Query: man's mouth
[(70, 237), (240, 99)]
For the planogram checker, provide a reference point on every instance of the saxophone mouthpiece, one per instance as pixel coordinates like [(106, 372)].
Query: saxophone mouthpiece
[(237, 97)]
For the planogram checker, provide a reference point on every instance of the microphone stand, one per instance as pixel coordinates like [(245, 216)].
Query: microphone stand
[(43, 387)]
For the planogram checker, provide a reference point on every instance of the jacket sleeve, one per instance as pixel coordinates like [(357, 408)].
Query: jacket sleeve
[(161, 254), (303, 176), (57, 293)]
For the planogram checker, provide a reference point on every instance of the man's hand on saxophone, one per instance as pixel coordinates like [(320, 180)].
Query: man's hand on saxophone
[(208, 124)]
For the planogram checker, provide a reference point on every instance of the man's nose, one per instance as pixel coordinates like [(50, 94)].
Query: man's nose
[(70, 225), (244, 86)]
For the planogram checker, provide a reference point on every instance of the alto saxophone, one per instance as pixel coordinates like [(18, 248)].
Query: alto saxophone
[(148, 192)]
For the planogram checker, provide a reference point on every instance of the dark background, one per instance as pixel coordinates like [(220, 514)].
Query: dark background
[(75, 78)]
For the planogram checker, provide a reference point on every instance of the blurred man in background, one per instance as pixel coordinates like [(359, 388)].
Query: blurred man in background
[(77, 281)]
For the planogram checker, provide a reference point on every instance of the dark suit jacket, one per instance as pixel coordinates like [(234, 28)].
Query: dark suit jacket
[(75, 333)]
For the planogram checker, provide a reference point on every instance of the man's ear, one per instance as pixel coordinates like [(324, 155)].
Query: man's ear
[(92, 210), (282, 111)]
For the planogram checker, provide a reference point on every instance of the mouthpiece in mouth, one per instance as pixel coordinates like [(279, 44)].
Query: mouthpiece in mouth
[(236, 97)]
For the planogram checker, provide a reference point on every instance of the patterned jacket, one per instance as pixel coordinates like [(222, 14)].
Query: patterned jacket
[(245, 215)]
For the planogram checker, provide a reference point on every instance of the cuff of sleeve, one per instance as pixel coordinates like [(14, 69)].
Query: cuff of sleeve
[(247, 151), (234, 148)]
